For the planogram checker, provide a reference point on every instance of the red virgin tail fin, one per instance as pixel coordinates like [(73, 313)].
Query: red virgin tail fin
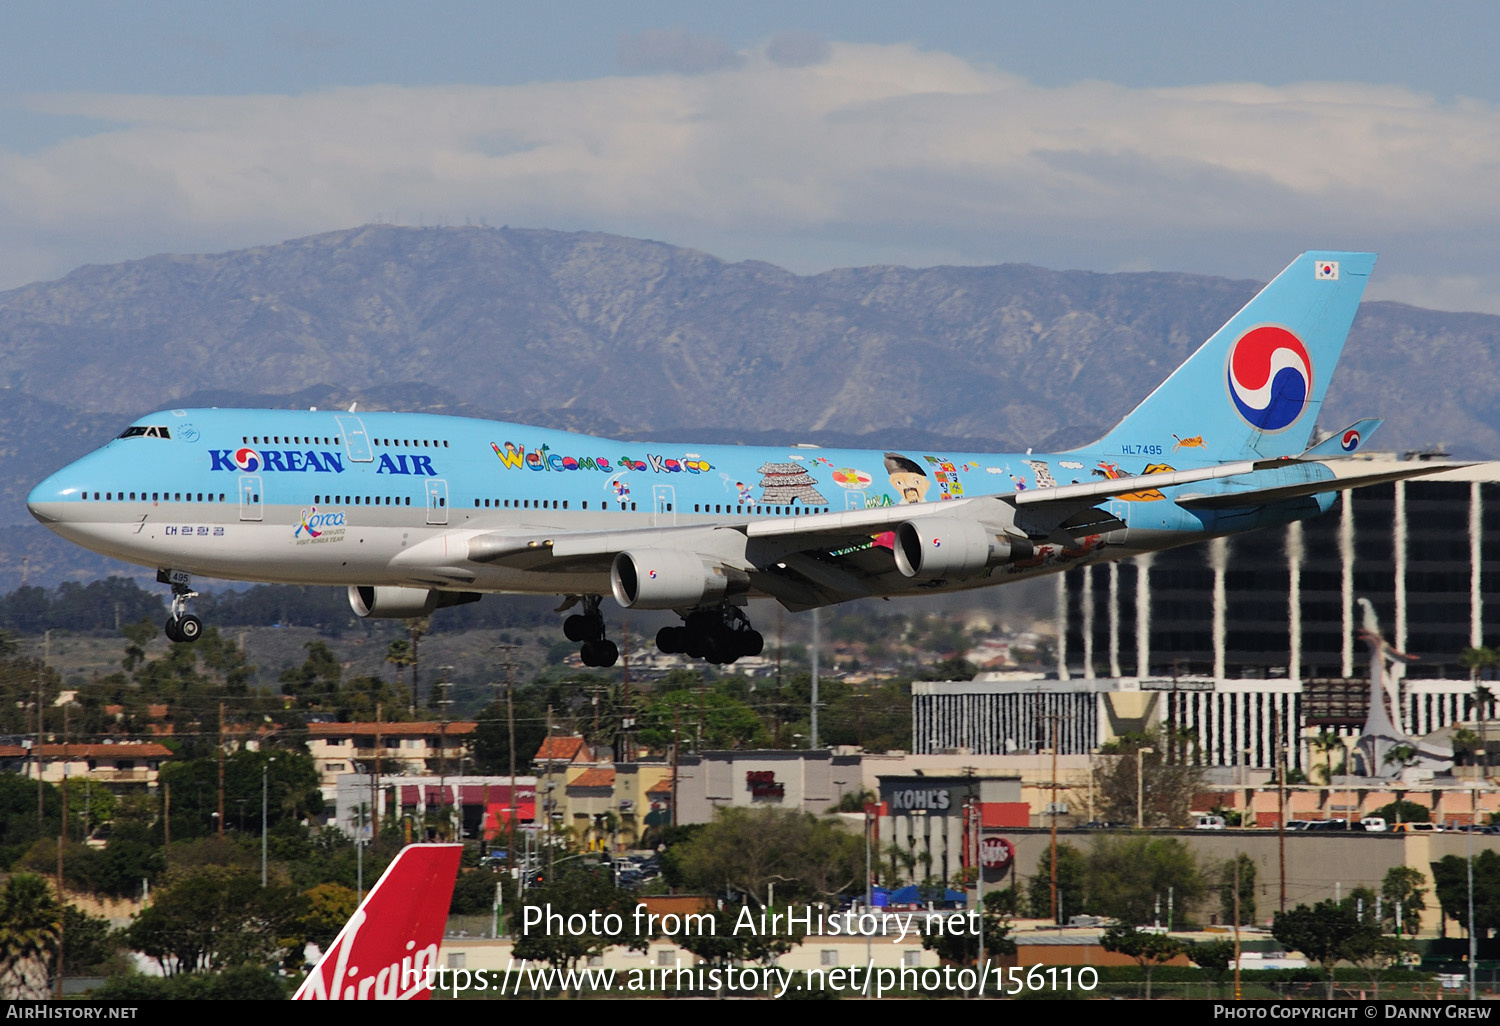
[(385, 950)]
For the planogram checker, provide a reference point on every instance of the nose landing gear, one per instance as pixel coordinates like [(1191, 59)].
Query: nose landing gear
[(181, 626)]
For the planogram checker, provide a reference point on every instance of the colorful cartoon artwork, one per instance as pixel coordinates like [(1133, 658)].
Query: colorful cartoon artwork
[(620, 487), (1114, 473), (746, 498), (909, 479), (848, 477), (785, 483), (1044, 478), (1195, 442), (516, 457)]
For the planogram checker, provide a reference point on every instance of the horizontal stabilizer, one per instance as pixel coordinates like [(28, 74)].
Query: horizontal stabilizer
[(1264, 496), (1354, 438)]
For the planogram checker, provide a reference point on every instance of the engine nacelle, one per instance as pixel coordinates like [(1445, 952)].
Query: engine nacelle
[(663, 579), (393, 603), (942, 547)]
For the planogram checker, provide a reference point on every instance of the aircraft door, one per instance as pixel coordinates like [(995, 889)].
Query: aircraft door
[(250, 498), (854, 499), (665, 499), (437, 500), (356, 442)]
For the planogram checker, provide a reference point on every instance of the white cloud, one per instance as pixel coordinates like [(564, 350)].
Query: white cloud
[(901, 154)]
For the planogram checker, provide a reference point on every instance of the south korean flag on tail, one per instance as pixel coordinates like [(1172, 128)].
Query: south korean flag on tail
[(1326, 270)]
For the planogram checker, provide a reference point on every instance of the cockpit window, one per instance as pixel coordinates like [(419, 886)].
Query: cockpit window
[(137, 431)]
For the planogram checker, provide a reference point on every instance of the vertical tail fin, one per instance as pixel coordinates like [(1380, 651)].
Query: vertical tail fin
[(1254, 389), (390, 942)]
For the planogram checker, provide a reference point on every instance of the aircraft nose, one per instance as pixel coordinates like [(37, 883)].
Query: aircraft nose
[(43, 501)]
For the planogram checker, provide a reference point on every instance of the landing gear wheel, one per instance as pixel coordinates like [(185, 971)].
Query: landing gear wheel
[(576, 628), (170, 629), (608, 652), (599, 653), (189, 628)]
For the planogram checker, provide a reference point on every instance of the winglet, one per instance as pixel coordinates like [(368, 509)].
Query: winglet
[(391, 942), (1354, 438)]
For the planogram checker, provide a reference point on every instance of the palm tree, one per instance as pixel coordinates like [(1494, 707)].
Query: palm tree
[(1476, 659), (30, 925), (399, 654), (1327, 742), (1484, 706)]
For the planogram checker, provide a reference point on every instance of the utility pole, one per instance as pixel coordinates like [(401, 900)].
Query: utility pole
[(62, 837), (1237, 926), (1052, 858), (549, 802), (41, 795), (812, 742), (1281, 801), (375, 780), (674, 765), (221, 771), (510, 716)]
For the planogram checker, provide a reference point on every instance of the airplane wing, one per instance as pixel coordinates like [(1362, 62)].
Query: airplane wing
[(812, 560)]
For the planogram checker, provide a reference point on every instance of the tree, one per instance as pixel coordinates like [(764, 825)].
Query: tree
[(1450, 881), (1247, 889), (474, 892), (214, 919), (721, 944), (492, 736), (90, 942), (1072, 894), (1328, 933), (329, 906), (1327, 742), (577, 890), (1405, 887), (1148, 949), (963, 948), (314, 684), (1403, 811), (747, 850), (1213, 957), (30, 921), (1166, 789), (1129, 873)]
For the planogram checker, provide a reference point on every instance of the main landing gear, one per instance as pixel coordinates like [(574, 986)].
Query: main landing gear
[(181, 626), (588, 627), (721, 635)]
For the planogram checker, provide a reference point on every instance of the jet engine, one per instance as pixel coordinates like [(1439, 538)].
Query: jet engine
[(943, 547), (393, 603), (663, 579)]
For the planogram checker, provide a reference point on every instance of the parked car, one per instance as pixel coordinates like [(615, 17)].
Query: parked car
[(1374, 824), (1210, 823), (1416, 828)]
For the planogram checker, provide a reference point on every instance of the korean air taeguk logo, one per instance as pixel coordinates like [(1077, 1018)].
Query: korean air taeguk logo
[(1270, 377), (248, 460)]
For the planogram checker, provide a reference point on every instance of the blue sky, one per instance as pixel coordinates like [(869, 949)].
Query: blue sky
[(1174, 136)]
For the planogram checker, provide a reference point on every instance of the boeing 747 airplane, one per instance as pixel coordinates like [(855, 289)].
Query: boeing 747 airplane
[(413, 512)]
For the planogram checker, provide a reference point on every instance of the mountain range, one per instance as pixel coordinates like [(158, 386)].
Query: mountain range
[(636, 339)]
